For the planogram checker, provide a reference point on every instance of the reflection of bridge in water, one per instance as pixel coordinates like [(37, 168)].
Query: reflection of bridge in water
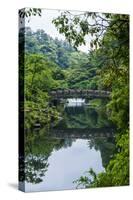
[(77, 93), (81, 133)]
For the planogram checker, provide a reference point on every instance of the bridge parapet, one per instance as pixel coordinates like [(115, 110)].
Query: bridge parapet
[(78, 93)]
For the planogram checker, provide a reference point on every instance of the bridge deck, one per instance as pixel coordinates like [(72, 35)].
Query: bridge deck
[(75, 93)]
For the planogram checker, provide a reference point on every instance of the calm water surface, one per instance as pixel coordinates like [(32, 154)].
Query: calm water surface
[(82, 139)]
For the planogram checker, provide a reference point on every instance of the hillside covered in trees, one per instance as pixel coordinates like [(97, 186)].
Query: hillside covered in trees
[(57, 51)]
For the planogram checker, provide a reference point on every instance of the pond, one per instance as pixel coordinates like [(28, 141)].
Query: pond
[(83, 138)]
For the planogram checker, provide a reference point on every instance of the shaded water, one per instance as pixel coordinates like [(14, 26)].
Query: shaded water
[(82, 139)]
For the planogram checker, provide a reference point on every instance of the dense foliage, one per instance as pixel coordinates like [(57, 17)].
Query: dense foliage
[(57, 51), (52, 64)]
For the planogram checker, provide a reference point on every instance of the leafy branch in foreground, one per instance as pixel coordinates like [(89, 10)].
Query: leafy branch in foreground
[(76, 27), (28, 12)]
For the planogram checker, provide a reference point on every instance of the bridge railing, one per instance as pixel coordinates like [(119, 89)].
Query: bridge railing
[(79, 93)]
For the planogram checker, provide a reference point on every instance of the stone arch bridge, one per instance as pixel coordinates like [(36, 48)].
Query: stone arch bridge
[(77, 93)]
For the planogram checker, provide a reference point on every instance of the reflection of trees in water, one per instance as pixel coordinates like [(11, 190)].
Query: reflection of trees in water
[(105, 145), (90, 117), (40, 144), (34, 168), (65, 143), (83, 117), (38, 148)]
